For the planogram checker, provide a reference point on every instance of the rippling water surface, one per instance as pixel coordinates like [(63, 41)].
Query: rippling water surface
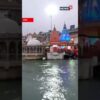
[(50, 80)]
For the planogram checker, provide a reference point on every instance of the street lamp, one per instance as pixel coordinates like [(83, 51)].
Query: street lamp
[(51, 10)]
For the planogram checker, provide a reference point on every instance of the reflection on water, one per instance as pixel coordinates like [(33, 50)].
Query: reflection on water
[(52, 80), (51, 85)]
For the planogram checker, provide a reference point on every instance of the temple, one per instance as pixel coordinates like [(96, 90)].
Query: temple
[(60, 39), (65, 37), (54, 37)]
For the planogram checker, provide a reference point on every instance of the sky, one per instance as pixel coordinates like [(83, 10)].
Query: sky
[(42, 21)]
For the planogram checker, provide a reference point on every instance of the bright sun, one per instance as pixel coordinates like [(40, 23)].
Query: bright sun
[(51, 10)]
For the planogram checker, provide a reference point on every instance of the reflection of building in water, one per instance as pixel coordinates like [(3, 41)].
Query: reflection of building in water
[(33, 49), (10, 49)]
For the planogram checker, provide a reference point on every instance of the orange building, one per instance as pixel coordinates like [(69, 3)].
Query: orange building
[(54, 37)]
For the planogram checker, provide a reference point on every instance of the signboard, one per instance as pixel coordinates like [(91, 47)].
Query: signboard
[(66, 8), (27, 19)]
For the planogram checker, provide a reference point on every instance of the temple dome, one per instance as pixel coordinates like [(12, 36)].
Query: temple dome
[(33, 42), (29, 37), (7, 25)]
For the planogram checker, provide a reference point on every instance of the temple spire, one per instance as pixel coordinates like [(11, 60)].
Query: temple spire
[(64, 26), (54, 28)]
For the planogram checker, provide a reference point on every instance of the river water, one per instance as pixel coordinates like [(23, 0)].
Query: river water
[(50, 80)]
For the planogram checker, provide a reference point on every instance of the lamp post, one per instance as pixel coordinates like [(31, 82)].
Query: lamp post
[(51, 10), (51, 22)]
